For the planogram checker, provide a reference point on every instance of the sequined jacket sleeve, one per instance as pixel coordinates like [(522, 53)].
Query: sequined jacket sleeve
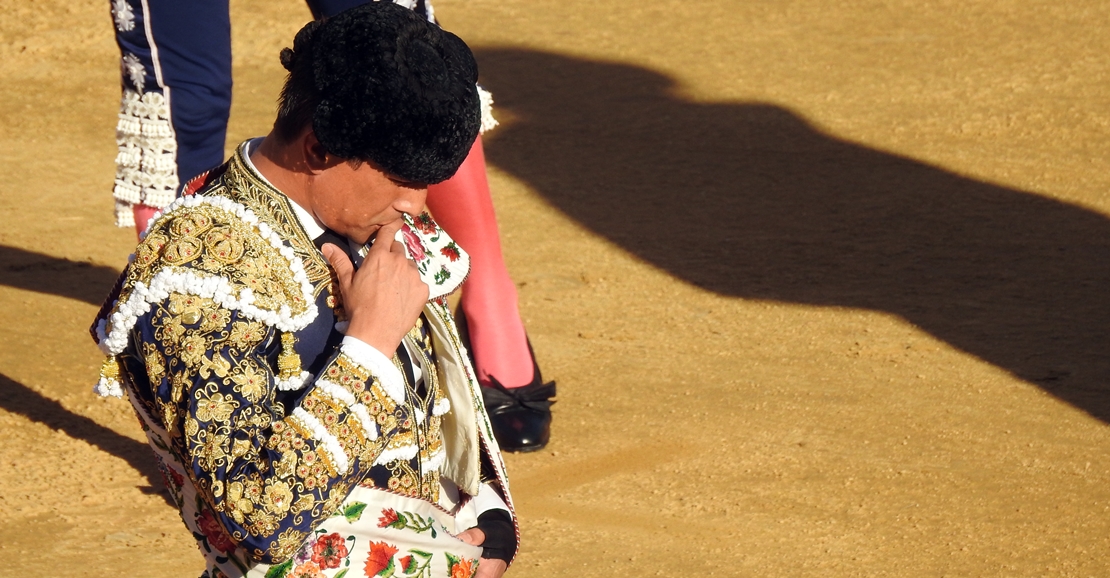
[(269, 473)]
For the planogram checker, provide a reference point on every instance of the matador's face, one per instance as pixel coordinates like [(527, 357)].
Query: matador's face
[(356, 202)]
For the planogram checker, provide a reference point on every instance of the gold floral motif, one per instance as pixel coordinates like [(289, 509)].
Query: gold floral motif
[(189, 225), (246, 334), (304, 504), (240, 448), (261, 523), (192, 349), (191, 427), (286, 467), (223, 245), (173, 329), (217, 365), (147, 252), (169, 415), (213, 318), (181, 250), (237, 505), (278, 497), (177, 387), (211, 451), (212, 406), (287, 544), (251, 381), (152, 358)]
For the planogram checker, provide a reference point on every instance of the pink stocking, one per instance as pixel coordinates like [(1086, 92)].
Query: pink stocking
[(142, 214), (462, 205)]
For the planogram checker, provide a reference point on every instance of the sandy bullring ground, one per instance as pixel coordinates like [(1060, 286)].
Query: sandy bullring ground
[(823, 284)]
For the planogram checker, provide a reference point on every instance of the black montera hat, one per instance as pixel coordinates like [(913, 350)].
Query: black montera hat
[(393, 89)]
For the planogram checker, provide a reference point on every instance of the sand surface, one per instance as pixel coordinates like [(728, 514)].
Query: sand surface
[(823, 284)]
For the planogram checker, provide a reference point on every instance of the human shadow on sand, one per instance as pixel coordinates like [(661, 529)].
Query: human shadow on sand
[(749, 200), (18, 398), (85, 282), (41, 273)]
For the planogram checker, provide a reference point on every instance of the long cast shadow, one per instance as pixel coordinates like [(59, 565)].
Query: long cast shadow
[(749, 200), (18, 398), (41, 273), (86, 282)]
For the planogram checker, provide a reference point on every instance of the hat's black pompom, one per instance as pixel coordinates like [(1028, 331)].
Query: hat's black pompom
[(301, 44)]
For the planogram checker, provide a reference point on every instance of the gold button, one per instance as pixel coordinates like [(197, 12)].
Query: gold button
[(190, 317)]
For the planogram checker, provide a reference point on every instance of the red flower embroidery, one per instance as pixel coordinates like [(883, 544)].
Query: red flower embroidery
[(307, 570), (381, 554), (413, 244), (464, 569), (406, 564), (424, 223), (214, 532), (389, 517), (329, 551), (170, 477), (451, 251)]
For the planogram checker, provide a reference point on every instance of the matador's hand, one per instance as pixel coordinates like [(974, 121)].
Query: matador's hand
[(487, 567), (384, 297)]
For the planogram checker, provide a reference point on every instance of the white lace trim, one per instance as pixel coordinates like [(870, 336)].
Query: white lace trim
[(146, 164), (329, 442), (378, 365), (441, 407), (436, 461), (485, 101), (369, 426), (293, 383), (406, 452), (362, 416), (108, 387), (112, 336)]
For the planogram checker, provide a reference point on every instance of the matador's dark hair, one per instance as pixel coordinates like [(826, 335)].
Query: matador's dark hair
[(378, 83)]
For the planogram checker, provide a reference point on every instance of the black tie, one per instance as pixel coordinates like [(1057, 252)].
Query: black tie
[(329, 236)]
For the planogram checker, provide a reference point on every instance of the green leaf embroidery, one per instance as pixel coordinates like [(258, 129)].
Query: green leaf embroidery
[(389, 570), (412, 521), (342, 573), (280, 570), (353, 511)]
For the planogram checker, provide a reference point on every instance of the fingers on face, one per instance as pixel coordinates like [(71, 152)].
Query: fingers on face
[(388, 231)]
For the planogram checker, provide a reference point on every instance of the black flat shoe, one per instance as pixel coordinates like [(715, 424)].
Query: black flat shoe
[(520, 416)]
